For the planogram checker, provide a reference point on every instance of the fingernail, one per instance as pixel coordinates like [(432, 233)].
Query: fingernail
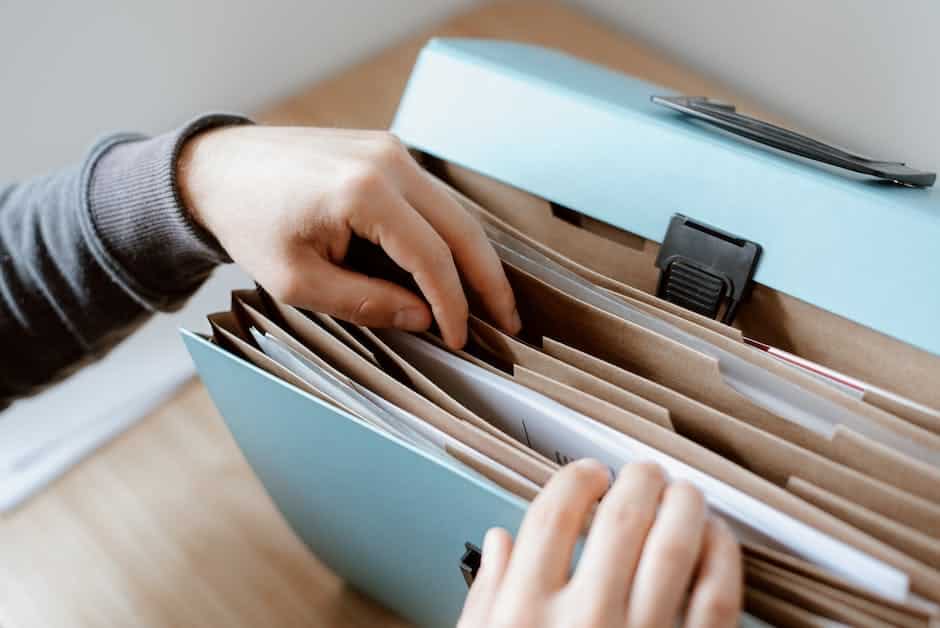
[(489, 543), (410, 318), (592, 465), (515, 323)]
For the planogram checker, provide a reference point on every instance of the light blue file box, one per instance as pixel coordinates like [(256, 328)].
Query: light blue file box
[(393, 522), (590, 139)]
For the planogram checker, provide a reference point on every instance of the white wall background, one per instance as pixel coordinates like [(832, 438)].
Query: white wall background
[(862, 73), (72, 70)]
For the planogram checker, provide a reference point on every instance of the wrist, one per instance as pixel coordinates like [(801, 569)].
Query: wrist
[(192, 168), (137, 215)]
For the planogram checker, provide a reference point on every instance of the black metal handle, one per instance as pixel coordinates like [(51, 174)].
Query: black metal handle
[(726, 117)]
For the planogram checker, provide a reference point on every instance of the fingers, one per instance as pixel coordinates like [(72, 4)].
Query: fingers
[(497, 546), (545, 543), (354, 297), (476, 259), (716, 594), (669, 558), (415, 246), (612, 552)]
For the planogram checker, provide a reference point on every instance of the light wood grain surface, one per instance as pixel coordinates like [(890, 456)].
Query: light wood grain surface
[(167, 526)]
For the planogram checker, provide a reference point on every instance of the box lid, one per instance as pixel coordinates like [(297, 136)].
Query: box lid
[(590, 139)]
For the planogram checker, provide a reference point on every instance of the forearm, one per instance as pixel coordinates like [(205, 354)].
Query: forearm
[(88, 253)]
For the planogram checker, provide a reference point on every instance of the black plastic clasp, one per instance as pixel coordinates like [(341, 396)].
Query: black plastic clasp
[(704, 269), (470, 563)]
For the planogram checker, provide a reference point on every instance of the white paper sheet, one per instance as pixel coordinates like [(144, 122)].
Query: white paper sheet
[(563, 434)]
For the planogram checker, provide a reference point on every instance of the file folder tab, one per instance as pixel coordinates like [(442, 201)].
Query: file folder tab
[(704, 269)]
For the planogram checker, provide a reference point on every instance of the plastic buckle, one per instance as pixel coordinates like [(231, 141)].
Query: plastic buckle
[(704, 269), (470, 562)]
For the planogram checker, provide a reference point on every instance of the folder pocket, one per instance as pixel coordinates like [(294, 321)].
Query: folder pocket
[(353, 365), (764, 453), (429, 389), (225, 331), (625, 290), (906, 539), (514, 352)]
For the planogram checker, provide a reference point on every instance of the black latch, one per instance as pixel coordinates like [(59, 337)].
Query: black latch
[(704, 269), (470, 562)]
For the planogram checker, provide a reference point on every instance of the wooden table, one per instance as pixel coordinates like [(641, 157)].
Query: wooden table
[(167, 526)]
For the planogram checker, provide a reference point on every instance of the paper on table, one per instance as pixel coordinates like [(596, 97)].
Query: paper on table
[(43, 436), (563, 434), (765, 389)]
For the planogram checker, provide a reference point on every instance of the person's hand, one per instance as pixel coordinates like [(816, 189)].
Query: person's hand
[(285, 202), (640, 566)]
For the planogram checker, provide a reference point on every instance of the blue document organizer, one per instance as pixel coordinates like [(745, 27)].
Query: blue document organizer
[(391, 521)]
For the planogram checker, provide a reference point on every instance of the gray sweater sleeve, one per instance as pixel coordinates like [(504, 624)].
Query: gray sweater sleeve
[(87, 254)]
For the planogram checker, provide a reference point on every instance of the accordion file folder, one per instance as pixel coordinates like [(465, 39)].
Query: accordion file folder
[(633, 235)]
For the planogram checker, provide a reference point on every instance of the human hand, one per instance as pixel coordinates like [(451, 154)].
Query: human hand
[(637, 566), (285, 202)]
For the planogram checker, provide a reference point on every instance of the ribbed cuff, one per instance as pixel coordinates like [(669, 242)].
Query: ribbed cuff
[(142, 229)]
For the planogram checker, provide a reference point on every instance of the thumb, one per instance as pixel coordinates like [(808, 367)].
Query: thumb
[(363, 300)]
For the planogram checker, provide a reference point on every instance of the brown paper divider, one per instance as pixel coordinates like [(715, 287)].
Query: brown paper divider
[(926, 579), (652, 303), (757, 570), (798, 566), (809, 598), (911, 411), (855, 450), (906, 539), (469, 357), (253, 298), (772, 317), (547, 311), (494, 474), (878, 464), (443, 399), (779, 612), (265, 324), (514, 351), (734, 344), (877, 415), (766, 454), (246, 306), (330, 324), (896, 615), (228, 335), (885, 469), (369, 375), (598, 409)]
